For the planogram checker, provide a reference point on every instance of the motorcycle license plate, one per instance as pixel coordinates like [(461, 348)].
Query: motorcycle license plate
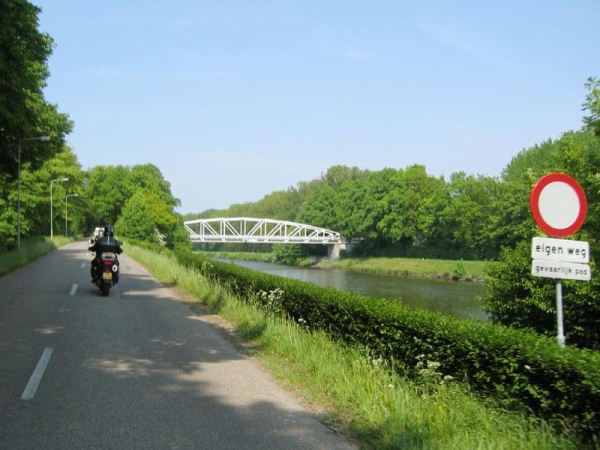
[(107, 275)]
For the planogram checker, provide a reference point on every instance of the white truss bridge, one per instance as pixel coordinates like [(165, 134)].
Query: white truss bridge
[(265, 231)]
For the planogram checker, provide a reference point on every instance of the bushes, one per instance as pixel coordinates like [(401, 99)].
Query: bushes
[(517, 299), (517, 368)]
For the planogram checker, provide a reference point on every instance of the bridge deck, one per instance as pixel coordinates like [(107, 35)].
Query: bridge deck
[(252, 230)]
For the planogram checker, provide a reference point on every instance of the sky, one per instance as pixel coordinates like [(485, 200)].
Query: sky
[(234, 99)]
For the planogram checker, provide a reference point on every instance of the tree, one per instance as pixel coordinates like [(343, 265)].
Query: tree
[(24, 113), (168, 226), (518, 177), (137, 200), (63, 165), (410, 208), (580, 158), (359, 202), (471, 216), (281, 205), (592, 104), (106, 191), (24, 52), (287, 253), (319, 209), (166, 223), (136, 220), (337, 175), (149, 178)]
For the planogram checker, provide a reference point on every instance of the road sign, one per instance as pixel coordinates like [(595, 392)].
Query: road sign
[(561, 270), (558, 204), (549, 249)]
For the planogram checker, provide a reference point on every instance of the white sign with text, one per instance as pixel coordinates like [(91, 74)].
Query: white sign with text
[(561, 270), (549, 249)]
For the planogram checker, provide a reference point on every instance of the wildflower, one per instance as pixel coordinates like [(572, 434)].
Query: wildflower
[(446, 378), (432, 365), (378, 361)]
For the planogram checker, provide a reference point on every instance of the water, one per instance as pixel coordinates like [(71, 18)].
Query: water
[(449, 297)]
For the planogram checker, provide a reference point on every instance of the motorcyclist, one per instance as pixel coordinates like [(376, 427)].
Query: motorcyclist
[(105, 244)]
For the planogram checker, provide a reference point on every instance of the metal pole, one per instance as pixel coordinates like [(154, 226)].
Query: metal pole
[(560, 338)]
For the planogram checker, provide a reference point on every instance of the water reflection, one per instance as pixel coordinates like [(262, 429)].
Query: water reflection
[(449, 297)]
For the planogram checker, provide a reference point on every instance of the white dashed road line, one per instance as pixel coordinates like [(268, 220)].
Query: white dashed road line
[(36, 377), (73, 290)]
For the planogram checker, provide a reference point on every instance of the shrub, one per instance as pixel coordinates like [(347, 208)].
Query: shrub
[(518, 368)]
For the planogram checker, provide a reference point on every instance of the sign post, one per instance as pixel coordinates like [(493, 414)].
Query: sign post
[(560, 329), (559, 207)]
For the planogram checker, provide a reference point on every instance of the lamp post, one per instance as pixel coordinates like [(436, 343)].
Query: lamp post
[(51, 224), (39, 138), (66, 205)]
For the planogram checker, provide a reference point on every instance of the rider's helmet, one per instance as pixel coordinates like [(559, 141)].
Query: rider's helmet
[(109, 231)]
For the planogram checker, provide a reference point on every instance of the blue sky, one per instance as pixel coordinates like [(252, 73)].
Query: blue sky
[(233, 100)]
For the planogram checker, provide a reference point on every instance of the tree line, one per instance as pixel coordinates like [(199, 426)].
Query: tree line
[(42, 185), (407, 212)]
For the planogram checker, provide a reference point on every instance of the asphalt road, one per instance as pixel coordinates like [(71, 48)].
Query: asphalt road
[(134, 370)]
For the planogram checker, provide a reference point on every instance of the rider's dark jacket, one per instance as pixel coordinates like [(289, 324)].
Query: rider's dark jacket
[(106, 244)]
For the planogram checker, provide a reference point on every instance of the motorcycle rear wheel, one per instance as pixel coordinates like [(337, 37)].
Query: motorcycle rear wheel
[(105, 288)]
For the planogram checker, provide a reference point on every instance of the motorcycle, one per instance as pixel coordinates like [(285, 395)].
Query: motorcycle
[(106, 273)]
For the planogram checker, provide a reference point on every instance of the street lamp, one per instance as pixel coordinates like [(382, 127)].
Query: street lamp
[(39, 138), (66, 204), (51, 224)]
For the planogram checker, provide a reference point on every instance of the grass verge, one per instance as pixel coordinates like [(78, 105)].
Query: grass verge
[(30, 250), (357, 395)]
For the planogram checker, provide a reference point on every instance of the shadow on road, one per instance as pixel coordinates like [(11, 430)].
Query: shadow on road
[(137, 370)]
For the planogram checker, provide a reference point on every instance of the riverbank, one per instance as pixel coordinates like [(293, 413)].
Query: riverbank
[(459, 270)]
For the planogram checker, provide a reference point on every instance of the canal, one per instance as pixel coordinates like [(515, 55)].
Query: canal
[(449, 297)]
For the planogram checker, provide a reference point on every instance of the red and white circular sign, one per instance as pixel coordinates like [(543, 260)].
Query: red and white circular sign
[(558, 204)]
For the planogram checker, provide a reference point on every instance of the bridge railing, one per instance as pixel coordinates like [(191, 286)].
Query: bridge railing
[(252, 230)]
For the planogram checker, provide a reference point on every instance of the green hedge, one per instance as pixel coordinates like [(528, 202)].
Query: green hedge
[(517, 368)]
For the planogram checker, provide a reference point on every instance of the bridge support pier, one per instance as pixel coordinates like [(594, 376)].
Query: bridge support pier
[(333, 250)]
